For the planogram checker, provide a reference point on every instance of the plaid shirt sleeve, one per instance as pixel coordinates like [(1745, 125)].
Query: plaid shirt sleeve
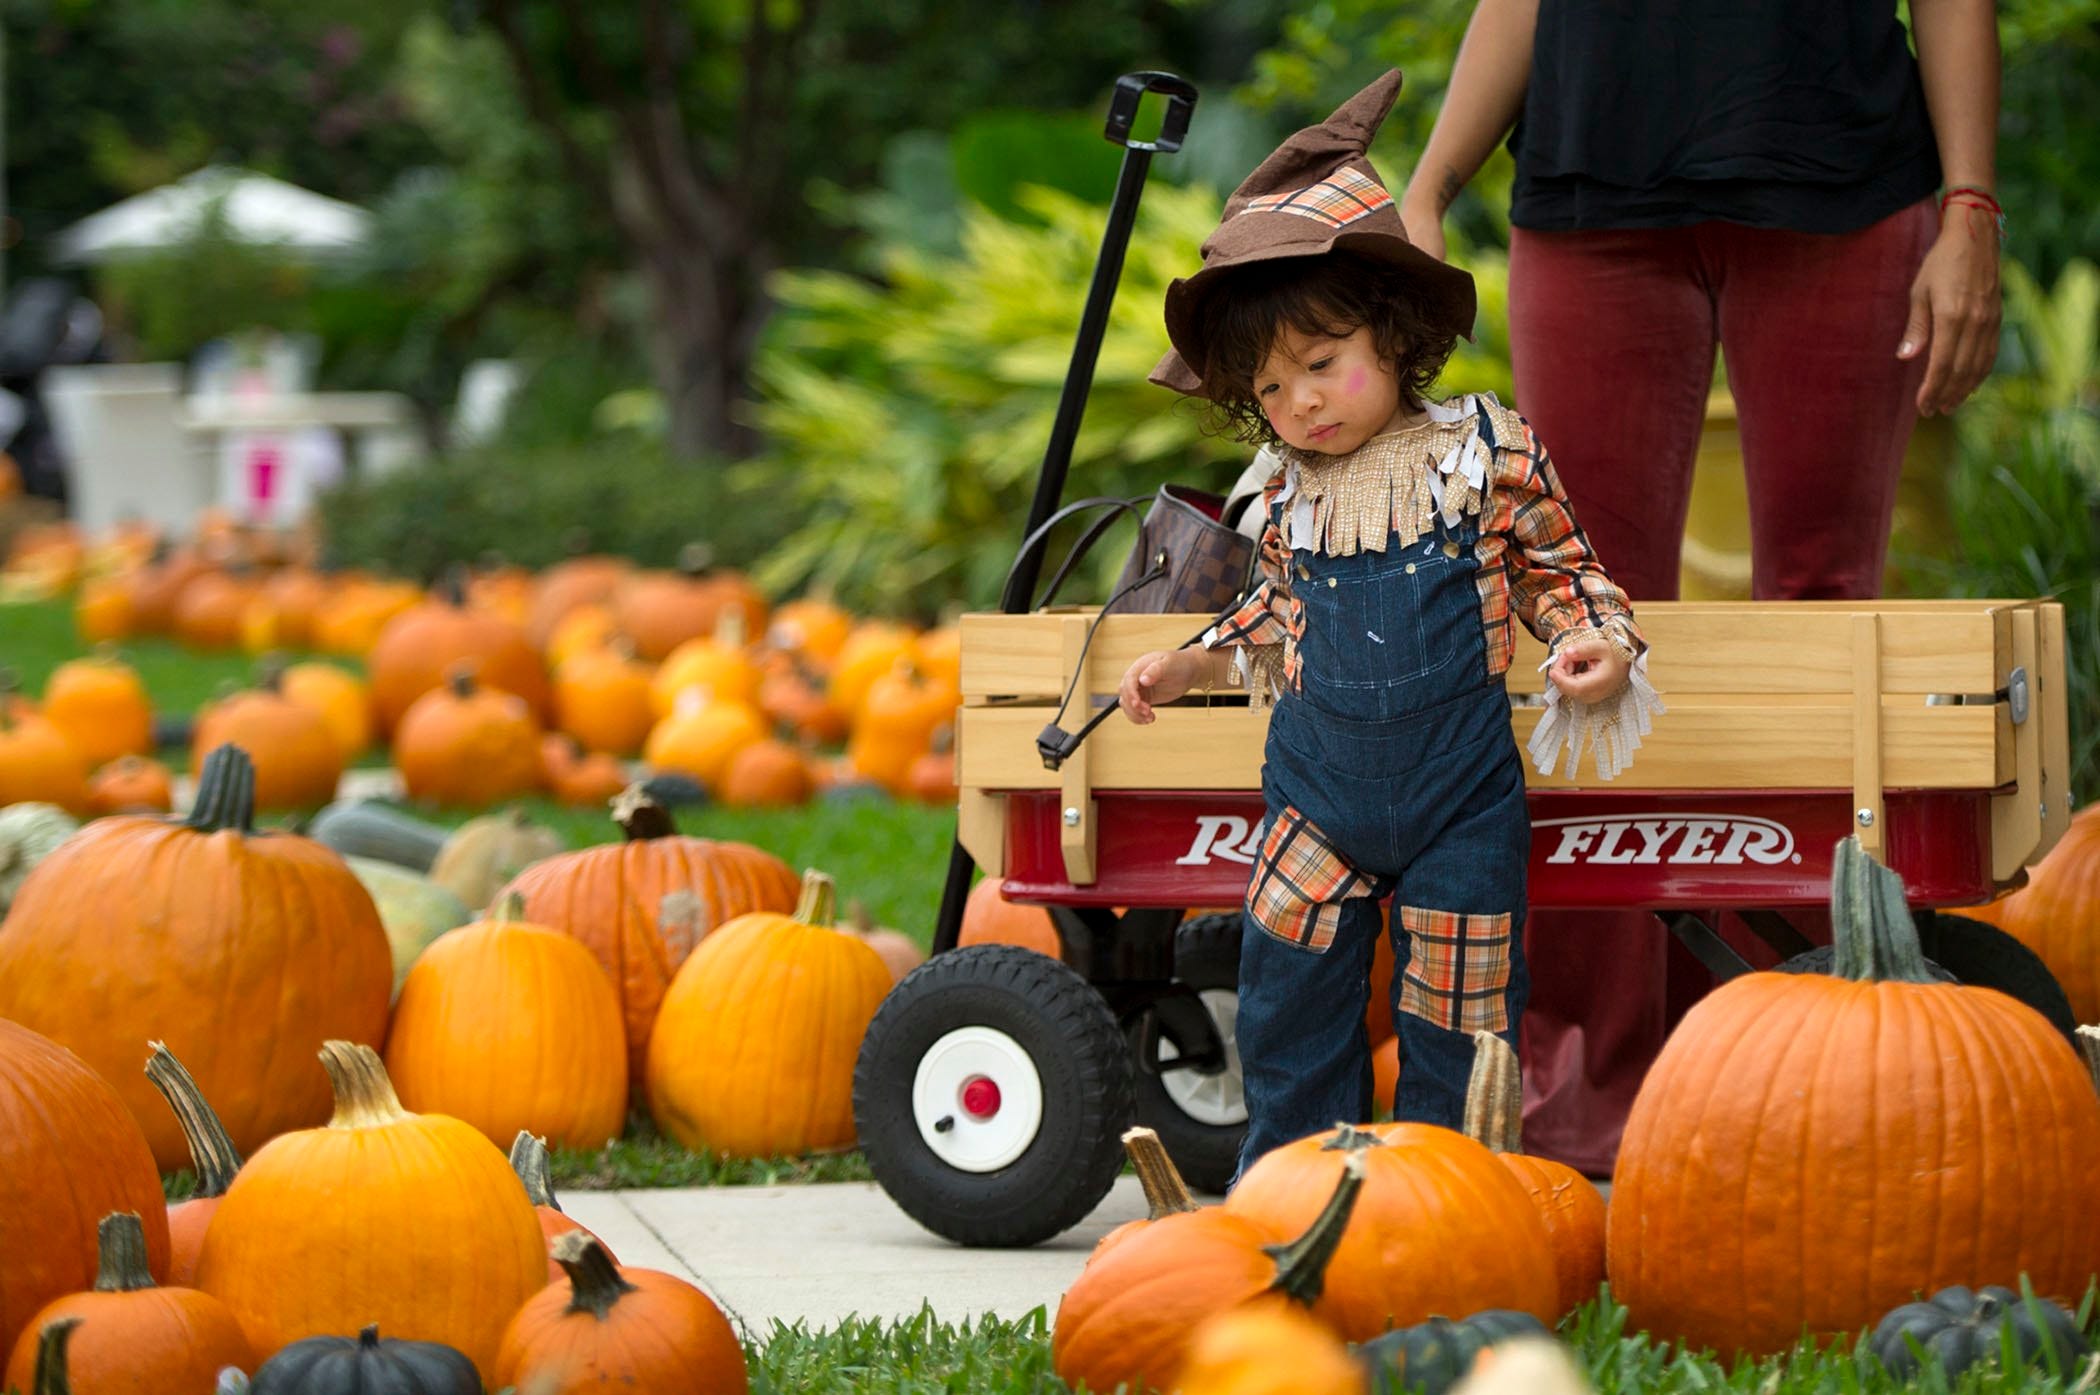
[(1556, 584)]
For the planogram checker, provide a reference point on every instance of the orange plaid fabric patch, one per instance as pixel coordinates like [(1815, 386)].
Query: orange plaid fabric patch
[(1300, 882), (1457, 974), (1338, 200)]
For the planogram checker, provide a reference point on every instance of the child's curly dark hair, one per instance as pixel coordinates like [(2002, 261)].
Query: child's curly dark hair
[(1335, 294)]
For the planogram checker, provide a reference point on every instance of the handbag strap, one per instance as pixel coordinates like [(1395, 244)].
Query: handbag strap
[(1036, 538)]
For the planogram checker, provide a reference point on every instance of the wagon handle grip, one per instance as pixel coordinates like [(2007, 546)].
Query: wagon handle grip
[(1123, 109)]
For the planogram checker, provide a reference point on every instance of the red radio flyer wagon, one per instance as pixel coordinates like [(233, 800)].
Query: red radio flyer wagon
[(995, 1083)]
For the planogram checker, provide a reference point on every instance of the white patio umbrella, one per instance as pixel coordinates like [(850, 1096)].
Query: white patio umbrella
[(257, 209)]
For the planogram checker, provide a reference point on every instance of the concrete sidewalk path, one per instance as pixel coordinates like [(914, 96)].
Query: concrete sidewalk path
[(821, 1252)]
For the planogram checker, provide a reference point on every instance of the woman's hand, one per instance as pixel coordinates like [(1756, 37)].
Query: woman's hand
[(1954, 310), (1424, 223), (1588, 670), (1160, 676)]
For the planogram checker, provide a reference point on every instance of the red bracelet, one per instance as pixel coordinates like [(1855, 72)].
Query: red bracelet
[(1969, 196)]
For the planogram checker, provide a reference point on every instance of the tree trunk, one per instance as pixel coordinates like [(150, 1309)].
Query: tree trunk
[(699, 347)]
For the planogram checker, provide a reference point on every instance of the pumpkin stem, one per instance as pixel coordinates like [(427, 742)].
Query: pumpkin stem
[(1876, 939), (1301, 1266), (269, 672), (120, 1251), (730, 630), (2089, 1044), (1495, 1096), (509, 907), (694, 559), (528, 1158), (1165, 1192), (364, 1097), (1350, 1138), (211, 1148), (819, 902), (460, 679), (51, 1377), (640, 816), (225, 793), (594, 1280)]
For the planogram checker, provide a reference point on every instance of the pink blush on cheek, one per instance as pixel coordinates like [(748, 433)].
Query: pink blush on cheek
[(1357, 378)]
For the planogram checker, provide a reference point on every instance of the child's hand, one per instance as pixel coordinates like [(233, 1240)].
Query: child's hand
[(1588, 670), (1160, 676)]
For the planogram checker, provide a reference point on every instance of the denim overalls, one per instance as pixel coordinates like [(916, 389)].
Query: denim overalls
[(1397, 748)]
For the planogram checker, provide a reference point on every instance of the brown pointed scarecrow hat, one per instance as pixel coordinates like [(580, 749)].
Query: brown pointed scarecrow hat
[(1317, 193)]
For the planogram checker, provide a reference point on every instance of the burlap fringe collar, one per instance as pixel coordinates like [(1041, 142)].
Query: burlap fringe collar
[(1398, 483)]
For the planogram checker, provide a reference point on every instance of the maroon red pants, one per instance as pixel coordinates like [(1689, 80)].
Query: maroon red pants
[(1612, 334)]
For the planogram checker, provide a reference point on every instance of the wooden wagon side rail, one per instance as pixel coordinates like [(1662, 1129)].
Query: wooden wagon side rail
[(1817, 695)]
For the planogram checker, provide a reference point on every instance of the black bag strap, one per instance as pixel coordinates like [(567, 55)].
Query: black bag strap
[(1035, 540)]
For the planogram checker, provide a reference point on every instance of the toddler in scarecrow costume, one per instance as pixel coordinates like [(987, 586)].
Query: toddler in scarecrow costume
[(1402, 538)]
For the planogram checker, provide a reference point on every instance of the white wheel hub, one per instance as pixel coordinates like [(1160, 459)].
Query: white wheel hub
[(1219, 1099), (978, 1099)]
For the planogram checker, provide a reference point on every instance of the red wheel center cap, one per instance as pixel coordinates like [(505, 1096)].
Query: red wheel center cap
[(980, 1098)]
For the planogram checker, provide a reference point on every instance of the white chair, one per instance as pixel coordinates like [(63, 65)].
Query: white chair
[(126, 453)]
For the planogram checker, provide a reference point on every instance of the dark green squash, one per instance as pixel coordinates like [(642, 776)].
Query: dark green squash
[(1962, 1327), (366, 1365), (1431, 1356)]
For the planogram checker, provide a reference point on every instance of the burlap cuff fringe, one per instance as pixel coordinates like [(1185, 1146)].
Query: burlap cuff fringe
[(1260, 670), (1613, 728)]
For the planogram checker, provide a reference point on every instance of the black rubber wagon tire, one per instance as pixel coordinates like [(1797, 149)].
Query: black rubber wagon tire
[(1201, 1120), (1050, 1146), (1969, 951)]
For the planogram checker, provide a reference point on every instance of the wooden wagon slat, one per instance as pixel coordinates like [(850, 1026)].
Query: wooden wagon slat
[(1698, 647), (1696, 746)]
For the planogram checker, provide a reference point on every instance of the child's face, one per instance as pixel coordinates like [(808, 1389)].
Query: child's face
[(1329, 394)]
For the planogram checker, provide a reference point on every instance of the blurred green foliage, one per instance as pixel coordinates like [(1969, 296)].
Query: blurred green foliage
[(2024, 493)]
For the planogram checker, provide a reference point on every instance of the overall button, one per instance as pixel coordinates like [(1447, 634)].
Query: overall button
[(1410, 569), (1451, 549), (1331, 582)]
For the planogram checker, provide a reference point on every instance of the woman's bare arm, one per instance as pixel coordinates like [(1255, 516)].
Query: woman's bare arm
[(1480, 105)]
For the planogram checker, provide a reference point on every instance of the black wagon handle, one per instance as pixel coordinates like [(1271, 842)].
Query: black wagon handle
[(1123, 109)]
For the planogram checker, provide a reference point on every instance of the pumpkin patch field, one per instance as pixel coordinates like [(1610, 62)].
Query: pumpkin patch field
[(293, 1079)]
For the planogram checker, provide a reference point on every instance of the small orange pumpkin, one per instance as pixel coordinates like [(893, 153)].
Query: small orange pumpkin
[(871, 650), (338, 697), (898, 717), (661, 610), (511, 1026), (608, 1327), (601, 697), (208, 611), (701, 737), (767, 774), (298, 761), (134, 1334), (793, 699), (213, 1159), (131, 784), (752, 1054), (468, 746), (1267, 1346), (898, 950), (528, 1158), (990, 919), (578, 780), (566, 586), (37, 763), (715, 664), (589, 626), (421, 646), (102, 610), (2055, 912), (1568, 1202), (810, 628), (100, 705)]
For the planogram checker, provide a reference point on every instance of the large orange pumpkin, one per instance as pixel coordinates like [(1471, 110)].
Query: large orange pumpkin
[(134, 1334), (2057, 914), (468, 746), (753, 1051), (213, 1159), (297, 760), (1809, 1150), (242, 950), (511, 1026), (100, 705), (70, 1153), (420, 646), (1441, 1227), (528, 1158), (411, 1221), (1568, 1202), (1128, 1317), (608, 1328), (642, 905)]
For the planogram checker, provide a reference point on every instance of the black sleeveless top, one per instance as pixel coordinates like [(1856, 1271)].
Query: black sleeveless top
[(1801, 114)]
